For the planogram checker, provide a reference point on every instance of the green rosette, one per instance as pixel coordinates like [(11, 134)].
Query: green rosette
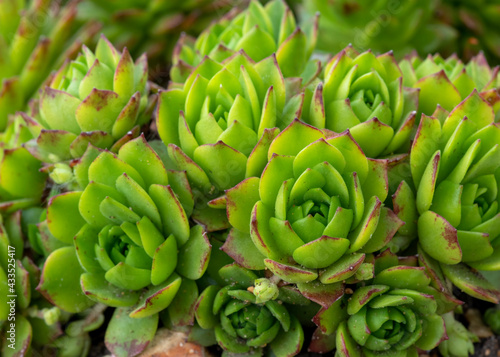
[(131, 245), (315, 215), (381, 26), (245, 326), (258, 30), (30, 323), (397, 313), (35, 37), (151, 27), (101, 98), (448, 81), (364, 93), (454, 172)]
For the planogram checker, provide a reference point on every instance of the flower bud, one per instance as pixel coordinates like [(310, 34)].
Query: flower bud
[(52, 315), (265, 290), (62, 173), (365, 272)]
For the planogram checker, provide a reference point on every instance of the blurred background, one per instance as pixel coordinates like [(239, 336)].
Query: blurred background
[(461, 27)]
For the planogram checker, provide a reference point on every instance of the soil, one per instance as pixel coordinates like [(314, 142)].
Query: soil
[(489, 347)]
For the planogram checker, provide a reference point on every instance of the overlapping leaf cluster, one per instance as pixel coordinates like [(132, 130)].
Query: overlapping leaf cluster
[(35, 38), (350, 195)]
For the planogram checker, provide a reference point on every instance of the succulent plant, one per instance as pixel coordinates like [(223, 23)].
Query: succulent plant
[(365, 94), (21, 182), (105, 100), (492, 318), (381, 26), (219, 124), (151, 27), (475, 25), (453, 163), (446, 82), (135, 248), (264, 210), (391, 315), (38, 325), (242, 324), (32, 44), (460, 342), (17, 274), (315, 213), (258, 30)]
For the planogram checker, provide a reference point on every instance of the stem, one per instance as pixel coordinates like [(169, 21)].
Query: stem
[(275, 279)]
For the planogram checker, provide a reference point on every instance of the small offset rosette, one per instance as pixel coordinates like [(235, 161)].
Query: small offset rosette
[(396, 313), (245, 325)]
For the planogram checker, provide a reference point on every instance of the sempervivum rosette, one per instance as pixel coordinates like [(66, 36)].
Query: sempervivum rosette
[(135, 248), (365, 94), (394, 314), (259, 30), (446, 82), (99, 98), (35, 37), (315, 213), (219, 124), (454, 166), (39, 325), (21, 182), (247, 319)]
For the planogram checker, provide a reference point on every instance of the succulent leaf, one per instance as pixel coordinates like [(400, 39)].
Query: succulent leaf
[(220, 124), (126, 336)]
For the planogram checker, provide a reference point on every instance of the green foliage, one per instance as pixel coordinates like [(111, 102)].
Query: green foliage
[(299, 181)]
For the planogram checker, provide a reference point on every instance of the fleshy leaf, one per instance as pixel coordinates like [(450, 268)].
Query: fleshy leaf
[(127, 336), (62, 286)]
